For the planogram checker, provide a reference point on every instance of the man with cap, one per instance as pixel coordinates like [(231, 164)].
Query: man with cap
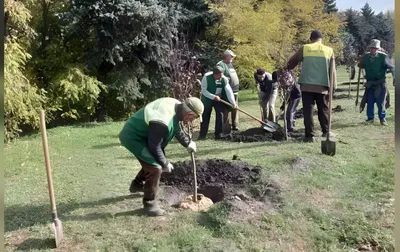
[(318, 75), (147, 133), (376, 64), (268, 91), (214, 87), (230, 73)]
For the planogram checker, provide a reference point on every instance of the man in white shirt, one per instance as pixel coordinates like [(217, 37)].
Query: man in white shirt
[(214, 87)]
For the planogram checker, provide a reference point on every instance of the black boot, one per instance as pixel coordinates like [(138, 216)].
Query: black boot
[(136, 186)]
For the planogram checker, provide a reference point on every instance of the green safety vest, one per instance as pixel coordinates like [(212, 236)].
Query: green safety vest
[(375, 68), (315, 65), (135, 132), (212, 86)]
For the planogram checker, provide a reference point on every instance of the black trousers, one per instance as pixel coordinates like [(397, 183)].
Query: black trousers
[(309, 99), (219, 109)]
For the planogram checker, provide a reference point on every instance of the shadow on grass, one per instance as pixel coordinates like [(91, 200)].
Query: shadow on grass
[(22, 216), (36, 244), (106, 146), (103, 216)]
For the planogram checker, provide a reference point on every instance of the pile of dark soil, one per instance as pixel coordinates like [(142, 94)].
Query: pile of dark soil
[(258, 135), (235, 183), (211, 172)]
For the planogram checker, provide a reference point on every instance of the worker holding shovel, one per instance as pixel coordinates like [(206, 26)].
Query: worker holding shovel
[(147, 133), (376, 64), (214, 88), (318, 74)]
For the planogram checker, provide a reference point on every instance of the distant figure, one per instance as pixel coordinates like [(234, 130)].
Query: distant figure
[(376, 64), (230, 73)]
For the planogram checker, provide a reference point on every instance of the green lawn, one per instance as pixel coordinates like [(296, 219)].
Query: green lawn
[(338, 204)]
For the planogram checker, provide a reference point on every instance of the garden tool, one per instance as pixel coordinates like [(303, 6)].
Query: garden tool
[(189, 133), (57, 225), (358, 85), (328, 146), (267, 125)]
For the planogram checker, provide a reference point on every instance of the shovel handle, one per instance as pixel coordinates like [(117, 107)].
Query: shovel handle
[(244, 112), (47, 161), (194, 178), (358, 84)]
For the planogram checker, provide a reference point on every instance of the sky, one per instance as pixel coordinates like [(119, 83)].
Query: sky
[(376, 5)]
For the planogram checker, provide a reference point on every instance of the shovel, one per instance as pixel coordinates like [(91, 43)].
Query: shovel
[(268, 125), (57, 225), (328, 146), (188, 132), (358, 85)]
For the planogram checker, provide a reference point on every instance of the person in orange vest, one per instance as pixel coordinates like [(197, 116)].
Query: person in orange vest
[(318, 74)]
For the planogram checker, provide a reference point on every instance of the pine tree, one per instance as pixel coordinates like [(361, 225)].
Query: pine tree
[(330, 6), (367, 12)]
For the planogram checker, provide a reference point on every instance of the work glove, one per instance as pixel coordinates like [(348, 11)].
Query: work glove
[(191, 147), (168, 168)]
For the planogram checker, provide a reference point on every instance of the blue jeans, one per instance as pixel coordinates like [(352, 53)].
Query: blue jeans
[(371, 101)]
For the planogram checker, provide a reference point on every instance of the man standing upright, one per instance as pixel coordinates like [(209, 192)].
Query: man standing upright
[(230, 73), (318, 74), (376, 64), (214, 87)]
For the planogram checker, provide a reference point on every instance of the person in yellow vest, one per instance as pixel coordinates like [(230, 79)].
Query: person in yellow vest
[(147, 133), (318, 73), (214, 87), (230, 73)]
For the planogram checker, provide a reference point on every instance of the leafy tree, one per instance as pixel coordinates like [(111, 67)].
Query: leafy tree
[(22, 100)]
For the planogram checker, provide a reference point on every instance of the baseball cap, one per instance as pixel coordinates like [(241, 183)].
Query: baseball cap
[(195, 105), (229, 52)]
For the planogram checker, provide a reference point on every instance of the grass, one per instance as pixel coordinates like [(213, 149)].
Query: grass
[(339, 203)]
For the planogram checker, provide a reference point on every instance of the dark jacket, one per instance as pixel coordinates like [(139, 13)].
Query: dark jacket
[(267, 85)]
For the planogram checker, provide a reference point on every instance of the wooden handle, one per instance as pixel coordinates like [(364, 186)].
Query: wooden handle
[(230, 105), (47, 160), (194, 179), (358, 84)]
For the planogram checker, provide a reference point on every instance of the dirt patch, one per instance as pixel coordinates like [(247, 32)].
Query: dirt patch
[(235, 183), (260, 135), (300, 164), (14, 239), (338, 108)]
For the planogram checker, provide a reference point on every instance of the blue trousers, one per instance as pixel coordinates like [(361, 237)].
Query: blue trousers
[(371, 100)]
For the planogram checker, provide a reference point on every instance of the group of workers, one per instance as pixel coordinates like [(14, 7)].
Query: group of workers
[(147, 133)]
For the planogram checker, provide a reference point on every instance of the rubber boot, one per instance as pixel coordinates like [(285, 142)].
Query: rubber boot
[(151, 208), (136, 187)]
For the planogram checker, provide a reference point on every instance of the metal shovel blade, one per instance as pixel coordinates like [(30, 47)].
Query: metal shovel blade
[(58, 231), (328, 147), (270, 126)]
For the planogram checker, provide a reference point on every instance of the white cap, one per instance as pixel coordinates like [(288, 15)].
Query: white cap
[(229, 52)]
